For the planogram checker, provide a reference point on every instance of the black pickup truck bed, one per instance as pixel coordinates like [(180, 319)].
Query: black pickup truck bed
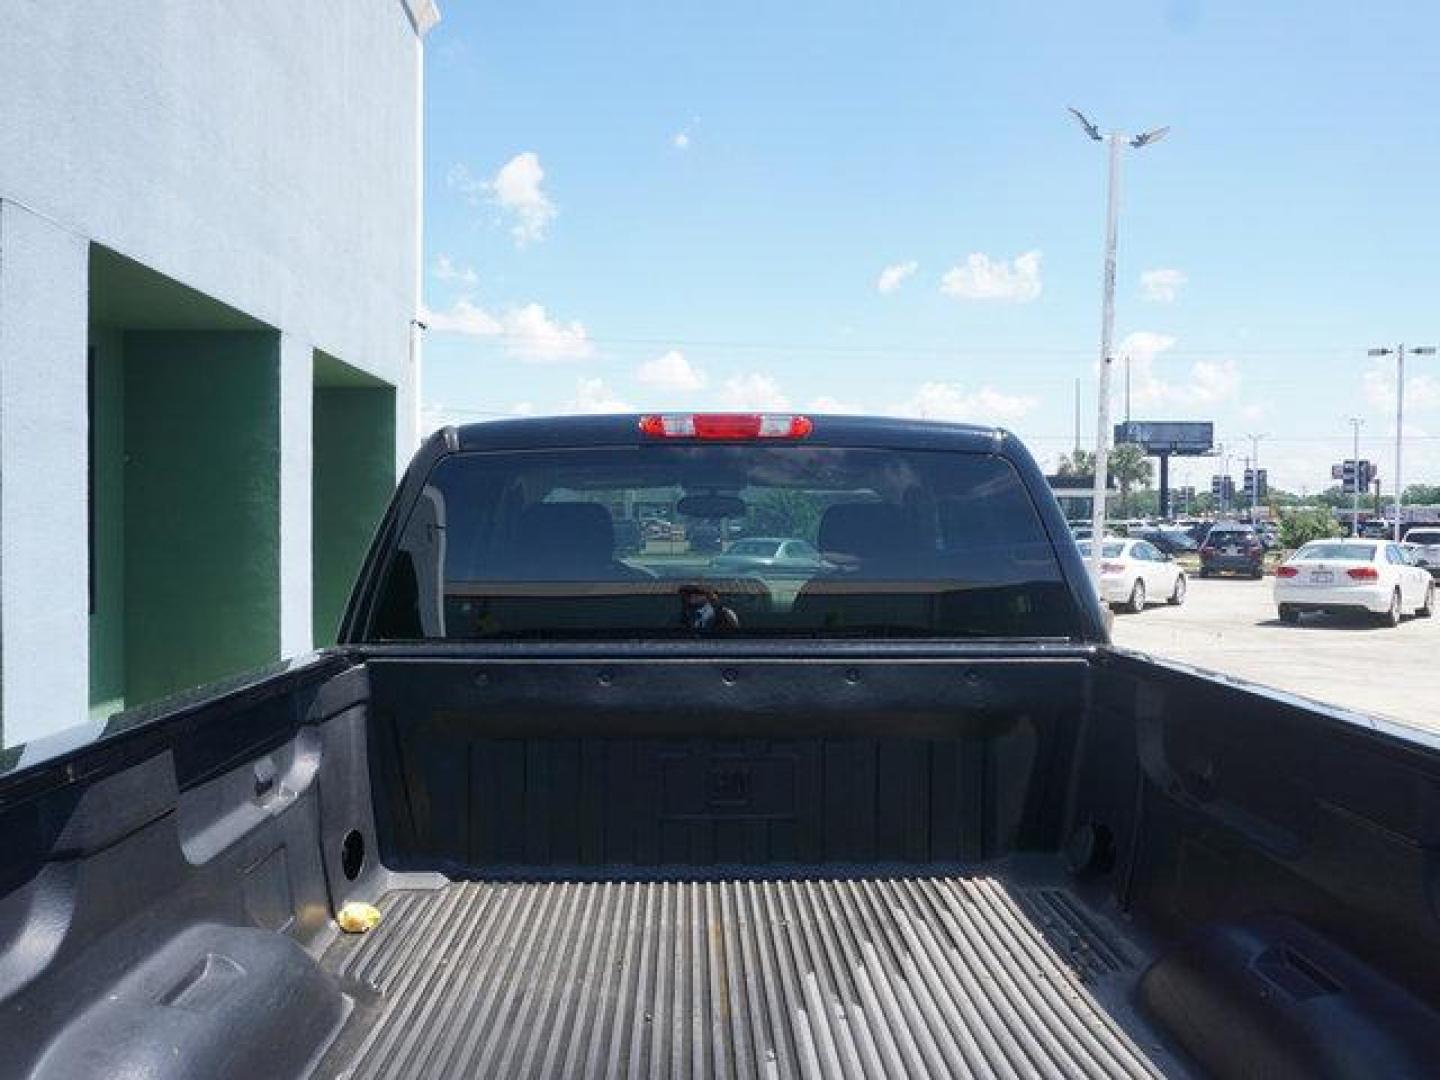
[(999, 973), (684, 853)]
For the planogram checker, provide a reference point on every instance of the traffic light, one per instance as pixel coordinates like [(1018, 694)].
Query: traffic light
[(1348, 474), (1262, 485), (1366, 473), (1222, 490)]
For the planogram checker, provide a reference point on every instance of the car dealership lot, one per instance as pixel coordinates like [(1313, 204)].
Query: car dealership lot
[(1231, 625)]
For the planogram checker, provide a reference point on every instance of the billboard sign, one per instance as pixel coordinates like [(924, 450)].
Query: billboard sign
[(1182, 437)]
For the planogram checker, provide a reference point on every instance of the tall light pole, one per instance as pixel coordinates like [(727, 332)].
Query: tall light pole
[(1117, 142), (1355, 423), (1399, 353)]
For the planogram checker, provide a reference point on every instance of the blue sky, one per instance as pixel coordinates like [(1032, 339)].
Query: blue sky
[(684, 204)]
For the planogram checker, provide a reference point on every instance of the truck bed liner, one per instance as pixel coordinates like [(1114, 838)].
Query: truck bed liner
[(912, 976)]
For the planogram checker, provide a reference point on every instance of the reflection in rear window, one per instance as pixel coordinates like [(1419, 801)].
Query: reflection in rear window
[(1347, 552), (762, 548), (523, 545)]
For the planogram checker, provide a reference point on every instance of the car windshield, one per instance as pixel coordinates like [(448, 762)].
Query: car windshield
[(915, 543), (1345, 552)]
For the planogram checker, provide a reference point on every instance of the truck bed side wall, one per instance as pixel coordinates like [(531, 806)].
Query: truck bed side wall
[(161, 893), (1290, 853)]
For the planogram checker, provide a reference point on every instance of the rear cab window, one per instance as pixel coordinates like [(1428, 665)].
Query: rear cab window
[(762, 541)]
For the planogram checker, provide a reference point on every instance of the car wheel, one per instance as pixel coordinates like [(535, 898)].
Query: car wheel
[(1137, 598), (1428, 607), (1391, 615), (1289, 614), (1178, 596)]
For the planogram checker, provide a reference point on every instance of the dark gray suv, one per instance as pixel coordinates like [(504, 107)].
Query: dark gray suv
[(1232, 548)]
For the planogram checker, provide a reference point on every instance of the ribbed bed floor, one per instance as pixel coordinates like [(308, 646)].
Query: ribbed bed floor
[(895, 977)]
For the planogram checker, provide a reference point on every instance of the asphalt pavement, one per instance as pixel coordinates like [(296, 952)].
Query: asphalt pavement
[(1231, 626)]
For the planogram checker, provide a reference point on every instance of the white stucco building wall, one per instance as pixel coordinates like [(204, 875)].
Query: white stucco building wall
[(263, 154)]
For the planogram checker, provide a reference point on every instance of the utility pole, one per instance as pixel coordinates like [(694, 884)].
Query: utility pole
[(1399, 353), (1127, 387), (1355, 423), (1117, 143), (1255, 481), (1225, 456), (1076, 459)]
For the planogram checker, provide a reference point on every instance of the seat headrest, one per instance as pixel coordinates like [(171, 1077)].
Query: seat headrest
[(871, 532), (559, 540)]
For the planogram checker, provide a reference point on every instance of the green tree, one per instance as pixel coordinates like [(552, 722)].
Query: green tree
[(1421, 494), (1129, 467), (1334, 497), (1079, 463), (1301, 526), (783, 512)]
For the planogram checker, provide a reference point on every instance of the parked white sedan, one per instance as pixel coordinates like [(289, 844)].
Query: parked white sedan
[(1134, 573), (1374, 576)]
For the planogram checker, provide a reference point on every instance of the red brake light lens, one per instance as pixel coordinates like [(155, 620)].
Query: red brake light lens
[(1286, 571), (1364, 573), (726, 426)]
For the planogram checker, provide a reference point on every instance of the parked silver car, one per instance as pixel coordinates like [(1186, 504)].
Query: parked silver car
[(772, 556)]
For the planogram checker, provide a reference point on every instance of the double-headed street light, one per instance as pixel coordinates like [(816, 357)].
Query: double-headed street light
[(1117, 142), (1399, 353)]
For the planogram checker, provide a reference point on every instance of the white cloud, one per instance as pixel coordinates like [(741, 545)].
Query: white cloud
[(892, 277), (533, 335), (515, 189), (463, 318), (981, 279), (1162, 285), (671, 372), (1422, 392), (461, 179), (1253, 412), (950, 401), (435, 417), (1209, 382), (680, 140), (593, 396), (527, 332), (446, 269), (834, 406), (753, 391)]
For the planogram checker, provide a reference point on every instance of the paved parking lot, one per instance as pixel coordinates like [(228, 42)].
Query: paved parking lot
[(1231, 626)]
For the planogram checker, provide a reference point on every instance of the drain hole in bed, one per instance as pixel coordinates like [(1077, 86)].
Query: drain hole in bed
[(352, 854)]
